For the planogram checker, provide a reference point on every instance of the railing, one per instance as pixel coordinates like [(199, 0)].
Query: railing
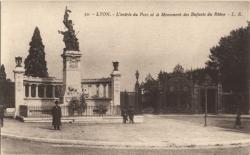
[(89, 111)]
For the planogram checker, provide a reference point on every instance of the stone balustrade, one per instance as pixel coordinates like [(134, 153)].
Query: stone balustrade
[(44, 91), (97, 88)]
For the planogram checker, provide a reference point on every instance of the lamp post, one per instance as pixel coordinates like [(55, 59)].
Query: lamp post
[(205, 105), (206, 83)]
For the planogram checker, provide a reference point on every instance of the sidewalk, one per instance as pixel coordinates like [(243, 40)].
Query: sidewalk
[(155, 132)]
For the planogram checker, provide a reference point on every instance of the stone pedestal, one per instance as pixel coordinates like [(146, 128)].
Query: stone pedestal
[(115, 79), (71, 74), (19, 88)]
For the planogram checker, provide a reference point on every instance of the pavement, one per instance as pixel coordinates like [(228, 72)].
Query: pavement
[(157, 132)]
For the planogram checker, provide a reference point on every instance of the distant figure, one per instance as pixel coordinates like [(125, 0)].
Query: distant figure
[(124, 115), (56, 116), (238, 120), (240, 100), (131, 114), (1, 114)]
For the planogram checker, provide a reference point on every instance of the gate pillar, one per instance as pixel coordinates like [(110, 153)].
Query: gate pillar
[(19, 88), (115, 79)]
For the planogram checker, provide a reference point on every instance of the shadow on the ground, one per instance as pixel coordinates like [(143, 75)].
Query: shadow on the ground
[(227, 124), (46, 127)]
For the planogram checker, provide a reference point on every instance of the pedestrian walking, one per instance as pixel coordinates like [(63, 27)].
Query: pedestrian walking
[(238, 120), (56, 116), (240, 100), (124, 115), (131, 114), (1, 114)]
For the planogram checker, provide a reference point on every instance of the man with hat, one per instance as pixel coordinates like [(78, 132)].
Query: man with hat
[(1, 114), (56, 116)]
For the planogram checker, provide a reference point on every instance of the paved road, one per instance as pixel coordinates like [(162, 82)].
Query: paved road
[(11, 147), (176, 129)]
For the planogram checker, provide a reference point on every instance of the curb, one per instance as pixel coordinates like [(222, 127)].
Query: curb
[(128, 145), (202, 115)]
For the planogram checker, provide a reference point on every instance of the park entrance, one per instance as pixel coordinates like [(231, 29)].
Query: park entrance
[(178, 96)]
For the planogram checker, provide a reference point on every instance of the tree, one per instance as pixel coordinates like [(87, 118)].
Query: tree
[(35, 63), (230, 57), (2, 73), (162, 77)]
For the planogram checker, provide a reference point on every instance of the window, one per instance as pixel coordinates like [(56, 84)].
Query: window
[(27, 90), (58, 91), (49, 91), (41, 90), (33, 90)]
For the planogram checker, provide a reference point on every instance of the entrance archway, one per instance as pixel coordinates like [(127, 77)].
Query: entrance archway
[(178, 94)]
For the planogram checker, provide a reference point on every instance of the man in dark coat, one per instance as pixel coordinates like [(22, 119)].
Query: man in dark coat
[(1, 114), (124, 115), (240, 101), (237, 124), (131, 114), (56, 116)]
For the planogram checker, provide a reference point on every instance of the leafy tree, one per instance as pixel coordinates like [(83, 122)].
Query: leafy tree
[(198, 75), (35, 63), (162, 77), (230, 57)]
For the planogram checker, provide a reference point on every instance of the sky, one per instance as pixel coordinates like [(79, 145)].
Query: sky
[(145, 43)]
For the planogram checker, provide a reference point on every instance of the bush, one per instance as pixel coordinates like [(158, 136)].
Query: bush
[(76, 105)]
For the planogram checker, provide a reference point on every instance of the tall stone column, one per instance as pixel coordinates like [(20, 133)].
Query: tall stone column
[(98, 90), (115, 84), (19, 88), (30, 90), (36, 90), (104, 90), (90, 91), (71, 74)]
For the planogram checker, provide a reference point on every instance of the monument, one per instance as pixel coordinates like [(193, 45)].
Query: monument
[(74, 93), (71, 61)]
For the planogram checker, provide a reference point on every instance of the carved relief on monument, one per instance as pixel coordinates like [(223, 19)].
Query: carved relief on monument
[(73, 64)]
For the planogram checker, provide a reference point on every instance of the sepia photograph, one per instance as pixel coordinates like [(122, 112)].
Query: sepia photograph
[(125, 77)]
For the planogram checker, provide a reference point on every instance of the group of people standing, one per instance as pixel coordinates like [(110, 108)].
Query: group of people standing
[(128, 113)]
